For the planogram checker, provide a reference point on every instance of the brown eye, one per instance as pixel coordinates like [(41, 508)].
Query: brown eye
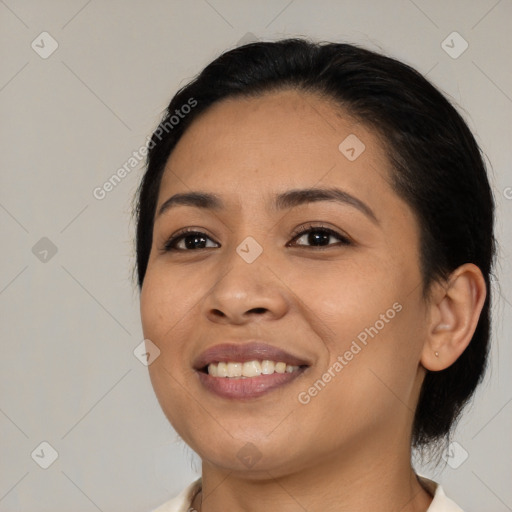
[(319, 236), (192, 240)]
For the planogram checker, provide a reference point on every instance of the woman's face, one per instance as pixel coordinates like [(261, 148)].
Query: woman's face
[(346, 305)]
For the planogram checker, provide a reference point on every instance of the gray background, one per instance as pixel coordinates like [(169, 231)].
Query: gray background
[(70, 320)]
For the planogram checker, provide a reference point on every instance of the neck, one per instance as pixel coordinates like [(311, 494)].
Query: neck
[(380, 484)]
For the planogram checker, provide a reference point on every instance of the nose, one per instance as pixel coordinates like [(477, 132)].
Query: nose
[(246, 292)]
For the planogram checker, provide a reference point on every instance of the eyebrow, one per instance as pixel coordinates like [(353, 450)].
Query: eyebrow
[(283, 201)]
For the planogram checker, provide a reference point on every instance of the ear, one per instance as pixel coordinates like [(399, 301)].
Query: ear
[(455, 308)]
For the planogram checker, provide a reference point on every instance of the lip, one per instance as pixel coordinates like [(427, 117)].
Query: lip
[(246, 388), (252, 387), (250, 351)]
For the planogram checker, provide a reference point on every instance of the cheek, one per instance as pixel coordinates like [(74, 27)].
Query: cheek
[(367, 384), (163, 318), (381, 361), (348, 297), (163, 307), (372, 322), (167, 300)]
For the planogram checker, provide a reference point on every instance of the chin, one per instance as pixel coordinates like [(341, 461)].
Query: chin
[(253, 459)]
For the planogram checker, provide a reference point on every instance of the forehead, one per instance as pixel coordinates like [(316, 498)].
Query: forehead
[(277, 141)]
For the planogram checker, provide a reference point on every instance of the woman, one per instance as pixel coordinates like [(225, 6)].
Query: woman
[(314, 251)]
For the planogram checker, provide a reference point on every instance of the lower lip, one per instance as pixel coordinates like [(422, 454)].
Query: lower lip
[(251, 387)]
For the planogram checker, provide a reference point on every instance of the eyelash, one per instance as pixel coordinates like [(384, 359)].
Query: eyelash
[(301, 231)]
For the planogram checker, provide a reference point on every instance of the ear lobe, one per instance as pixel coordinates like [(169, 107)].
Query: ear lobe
[(454, 312)]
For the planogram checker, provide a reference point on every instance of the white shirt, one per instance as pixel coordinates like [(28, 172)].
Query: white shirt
[(183, 502)]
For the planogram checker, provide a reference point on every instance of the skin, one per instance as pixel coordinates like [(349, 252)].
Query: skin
[(349, 447)]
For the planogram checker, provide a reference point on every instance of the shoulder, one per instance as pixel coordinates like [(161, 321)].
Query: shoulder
[(440, 502), (181, 502)]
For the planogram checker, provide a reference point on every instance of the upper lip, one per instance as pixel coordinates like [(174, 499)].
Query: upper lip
[(249, 351)]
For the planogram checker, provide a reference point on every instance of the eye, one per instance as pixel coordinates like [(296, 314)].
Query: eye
[(191, 237), (319, 236)]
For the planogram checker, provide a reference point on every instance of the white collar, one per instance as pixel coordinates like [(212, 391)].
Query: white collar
[(441, 502)]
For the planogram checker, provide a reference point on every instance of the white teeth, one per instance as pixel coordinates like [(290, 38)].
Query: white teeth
[(222, 370), (249, 368), (280, 367), (267, 367), (234, 369), (212, 370)]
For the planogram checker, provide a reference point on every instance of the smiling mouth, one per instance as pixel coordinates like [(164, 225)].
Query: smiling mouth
[(249, 369), (247, 380)]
